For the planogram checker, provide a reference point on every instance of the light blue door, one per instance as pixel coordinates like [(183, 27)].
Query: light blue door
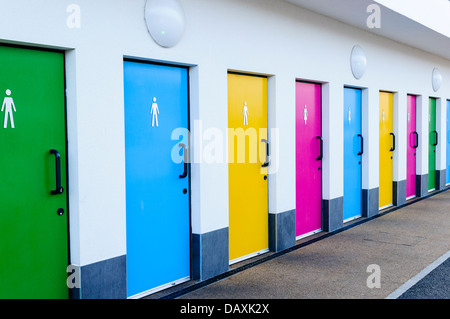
[(448, 142), (157, 178), (353, 149)]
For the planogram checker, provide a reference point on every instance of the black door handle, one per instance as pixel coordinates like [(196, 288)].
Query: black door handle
[(417, 139), (321, 148), (393, 142), (59, 189), (267, 162), (436, 136), (362, 145), (185, 166)]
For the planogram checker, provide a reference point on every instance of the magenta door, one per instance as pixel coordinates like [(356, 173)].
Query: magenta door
[(413, 143), (309, 153)]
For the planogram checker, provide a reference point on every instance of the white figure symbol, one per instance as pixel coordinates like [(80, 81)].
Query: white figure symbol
[(8, 106), (349, 116), (245, 113), (305, 114), (154, 111)]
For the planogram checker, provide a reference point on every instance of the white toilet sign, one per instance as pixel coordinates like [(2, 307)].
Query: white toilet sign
[(305, 114), (8, 106), (349, 116), (245, 114), (154, 111)]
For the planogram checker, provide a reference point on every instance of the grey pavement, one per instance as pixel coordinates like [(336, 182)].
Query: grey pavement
[(402, 242)]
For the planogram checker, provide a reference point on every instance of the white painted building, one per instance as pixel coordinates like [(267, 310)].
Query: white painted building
[(285, 41)]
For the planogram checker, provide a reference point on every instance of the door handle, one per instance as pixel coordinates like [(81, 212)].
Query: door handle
[(321, 148), (362, 145), (185, 165), (436, 136), (393, 142), (416, 145), (59, 189), (267, 162)]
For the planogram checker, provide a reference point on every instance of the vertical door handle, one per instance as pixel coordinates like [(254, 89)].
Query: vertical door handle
[(321, 148), (417, 139), (393, 142), (267, 162), (185, 167), (362, 145), (436, 136), (59, 189)]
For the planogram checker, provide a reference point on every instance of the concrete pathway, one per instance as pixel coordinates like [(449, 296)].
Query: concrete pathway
[(399, 244)]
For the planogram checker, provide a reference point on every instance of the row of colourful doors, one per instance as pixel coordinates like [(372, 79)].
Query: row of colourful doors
[(33, 163), (158, 188), (151, 195), (388, 147)]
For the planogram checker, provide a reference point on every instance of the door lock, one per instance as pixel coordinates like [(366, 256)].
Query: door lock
[(60, 211)]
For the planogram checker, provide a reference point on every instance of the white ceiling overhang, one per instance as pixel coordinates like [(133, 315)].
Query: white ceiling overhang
[(393, 24)]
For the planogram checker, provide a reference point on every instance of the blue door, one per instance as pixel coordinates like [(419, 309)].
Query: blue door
[(157, 176), (448, 142), (353, 149)]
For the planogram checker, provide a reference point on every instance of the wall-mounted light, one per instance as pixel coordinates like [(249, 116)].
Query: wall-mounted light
[(165, 21), (358, 62), (436, 79)]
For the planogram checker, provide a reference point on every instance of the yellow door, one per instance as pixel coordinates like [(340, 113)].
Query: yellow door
[(387, 147), (247, 153)]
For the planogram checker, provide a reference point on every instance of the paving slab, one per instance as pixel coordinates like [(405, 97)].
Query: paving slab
[(401, 243)]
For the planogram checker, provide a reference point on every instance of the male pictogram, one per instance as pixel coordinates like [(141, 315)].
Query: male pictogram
[(154, 111), (245, 113), (349, 116), (305, 114), (8, 106)]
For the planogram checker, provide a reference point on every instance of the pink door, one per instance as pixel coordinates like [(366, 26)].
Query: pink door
[(413, 140), (309, 152)]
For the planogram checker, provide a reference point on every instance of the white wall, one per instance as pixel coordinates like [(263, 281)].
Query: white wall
[(441, 128), (262, 36)]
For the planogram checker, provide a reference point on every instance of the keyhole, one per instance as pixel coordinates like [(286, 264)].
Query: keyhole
[(60, 211)]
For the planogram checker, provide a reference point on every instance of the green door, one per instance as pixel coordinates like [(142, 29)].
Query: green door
[(433, 140), (33, 221)]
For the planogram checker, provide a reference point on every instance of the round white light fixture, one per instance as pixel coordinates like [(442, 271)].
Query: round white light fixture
[(358, 62), (165, 21), (436, 79)]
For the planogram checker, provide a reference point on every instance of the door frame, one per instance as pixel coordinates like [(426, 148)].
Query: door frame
[(71, 291), (362, 90), (436, 101), (321, 161), (416, 108), (267, 77), (394, 126), (188, 110), (447, 133)]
